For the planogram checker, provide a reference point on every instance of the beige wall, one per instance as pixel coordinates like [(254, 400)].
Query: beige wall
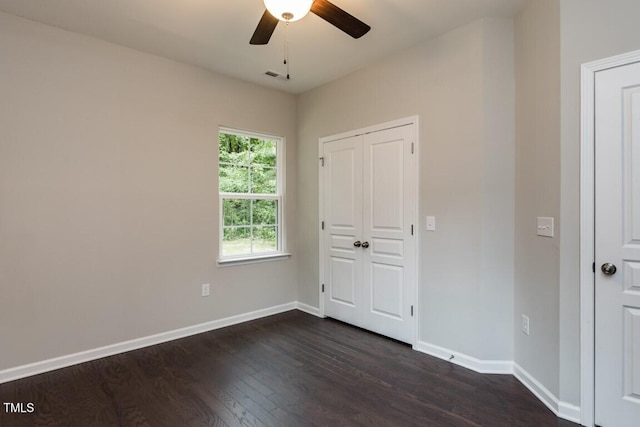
[(553, 38), (538, 190), (498, 191), (461, 87), (108, 194), (590, 30)]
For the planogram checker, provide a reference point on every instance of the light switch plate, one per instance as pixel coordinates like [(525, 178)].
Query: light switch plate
[(431, 223), (545, 226)]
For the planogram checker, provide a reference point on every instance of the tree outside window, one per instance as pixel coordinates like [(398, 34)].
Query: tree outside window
[(250, 190)]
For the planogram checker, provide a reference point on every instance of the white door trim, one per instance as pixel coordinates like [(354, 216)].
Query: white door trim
[(587, 227), (412, 120)]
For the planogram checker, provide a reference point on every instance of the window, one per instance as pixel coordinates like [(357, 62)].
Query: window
[(251, 205)]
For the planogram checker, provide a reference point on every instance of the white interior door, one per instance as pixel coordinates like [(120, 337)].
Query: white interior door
[(369, 244), (617, 245), (388, 211), (343, 228)]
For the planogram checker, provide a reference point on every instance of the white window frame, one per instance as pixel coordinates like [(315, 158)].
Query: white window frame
[(279, 196)]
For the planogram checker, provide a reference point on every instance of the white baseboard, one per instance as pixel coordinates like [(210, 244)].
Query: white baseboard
[(563, 410), (314, 311), (569, 412), (540, 391), (469, 362), (16, 373)]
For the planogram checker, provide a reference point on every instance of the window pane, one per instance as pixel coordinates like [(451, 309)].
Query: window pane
[(265, 212), (234, 179), (236, 241), (248, 165), (263, 152), (264, 239), (236, 212), (263, 180), (233, 148)]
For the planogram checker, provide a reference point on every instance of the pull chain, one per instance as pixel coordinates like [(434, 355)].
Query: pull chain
[(286, 47)]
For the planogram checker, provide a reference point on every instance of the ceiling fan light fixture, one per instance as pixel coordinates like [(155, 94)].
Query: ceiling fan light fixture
[(288, 10)]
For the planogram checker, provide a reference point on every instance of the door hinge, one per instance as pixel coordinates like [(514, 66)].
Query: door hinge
[(411, 311), (412, 229), (322, 161), (594, 267), (323, 225), (412, 146), (323, 288)]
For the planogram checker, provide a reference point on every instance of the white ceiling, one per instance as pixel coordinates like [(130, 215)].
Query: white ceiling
[(215, 34)]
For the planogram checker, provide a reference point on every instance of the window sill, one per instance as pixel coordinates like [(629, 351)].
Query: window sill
[(252, 260)]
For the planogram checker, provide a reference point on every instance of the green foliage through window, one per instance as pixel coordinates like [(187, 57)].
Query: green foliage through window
[(247, 165), (249, 194)]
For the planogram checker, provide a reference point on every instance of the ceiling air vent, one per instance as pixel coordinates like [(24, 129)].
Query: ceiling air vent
[(276, 75)]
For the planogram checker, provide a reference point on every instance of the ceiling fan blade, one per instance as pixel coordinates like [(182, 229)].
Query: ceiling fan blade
[(265, 28), (339, 18)]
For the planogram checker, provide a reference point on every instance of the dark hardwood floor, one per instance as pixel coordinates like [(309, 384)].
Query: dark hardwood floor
[(290, 369)]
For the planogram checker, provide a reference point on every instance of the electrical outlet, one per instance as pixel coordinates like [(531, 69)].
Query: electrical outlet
[(525, 324), (205, 290)]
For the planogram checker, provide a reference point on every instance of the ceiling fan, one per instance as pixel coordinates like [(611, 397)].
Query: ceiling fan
[(293, 10)]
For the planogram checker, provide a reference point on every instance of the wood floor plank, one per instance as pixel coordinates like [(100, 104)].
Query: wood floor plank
[(291, 369)]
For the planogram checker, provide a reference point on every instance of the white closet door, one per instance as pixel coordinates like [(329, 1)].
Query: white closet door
[(343, 228), (369, 251), (388, 210)]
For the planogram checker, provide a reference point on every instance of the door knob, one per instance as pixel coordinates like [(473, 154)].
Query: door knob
[(607, 268), (365, 245), (357, 243)]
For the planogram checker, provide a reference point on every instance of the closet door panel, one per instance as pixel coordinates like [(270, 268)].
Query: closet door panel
[(343, 228), (387, 222)]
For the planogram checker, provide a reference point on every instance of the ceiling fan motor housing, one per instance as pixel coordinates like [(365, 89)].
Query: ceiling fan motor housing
[(288, 10)]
